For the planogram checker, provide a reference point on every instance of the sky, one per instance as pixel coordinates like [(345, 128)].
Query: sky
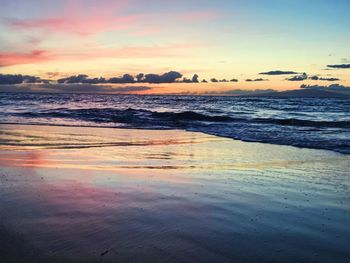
[(222, 40)]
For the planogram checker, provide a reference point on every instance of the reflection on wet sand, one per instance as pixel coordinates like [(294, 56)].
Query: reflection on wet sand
[(169, 196)]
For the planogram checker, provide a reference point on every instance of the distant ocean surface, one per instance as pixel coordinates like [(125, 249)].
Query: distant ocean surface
[(311, 123)]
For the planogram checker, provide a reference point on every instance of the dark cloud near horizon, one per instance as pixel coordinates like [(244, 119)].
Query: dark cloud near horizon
[(9, 79), (195, 78), (256, 80), (84, 79), (278, 72), (339, 66), (91, 88), (333, 88), (323, 79), (186, 80), (298, 78), (16, 88), (240, 92), (72, 88), (169, 77), (125, 79), (81, 78), (214, 80)]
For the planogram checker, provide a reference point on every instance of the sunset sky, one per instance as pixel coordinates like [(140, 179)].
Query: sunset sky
[(226, 39)]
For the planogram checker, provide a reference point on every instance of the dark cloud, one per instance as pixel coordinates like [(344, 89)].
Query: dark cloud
[(16, 88), (169, 77), (72, 88), (84, 79), (341, 66), (323, 79), (298, 78), (278, 72), (333, 88), (233, 92), (18, 79), (329, 79), (139, 77), (99, 80), (186, 80), (257, 80), (195, 78), (91, 88), (240, 92), (125, 79), (81, 78)]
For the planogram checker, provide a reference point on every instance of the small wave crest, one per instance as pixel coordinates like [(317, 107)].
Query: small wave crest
[(127, 116), (305, 123), (132, 117)]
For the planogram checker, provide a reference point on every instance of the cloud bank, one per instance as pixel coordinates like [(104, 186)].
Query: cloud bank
[(72, 88), (169, 77), (333, 88), (8, 79)]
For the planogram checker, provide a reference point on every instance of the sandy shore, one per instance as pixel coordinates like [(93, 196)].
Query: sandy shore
[(71, 194)]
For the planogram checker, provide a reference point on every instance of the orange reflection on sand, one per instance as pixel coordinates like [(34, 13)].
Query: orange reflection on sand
[(26, 159)]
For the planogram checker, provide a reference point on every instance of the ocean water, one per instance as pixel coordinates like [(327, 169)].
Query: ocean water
[(311, 123)]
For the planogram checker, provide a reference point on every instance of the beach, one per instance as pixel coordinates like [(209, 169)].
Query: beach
[(84, 194)]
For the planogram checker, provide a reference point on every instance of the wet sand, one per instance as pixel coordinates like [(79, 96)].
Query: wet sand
[(70, 194)]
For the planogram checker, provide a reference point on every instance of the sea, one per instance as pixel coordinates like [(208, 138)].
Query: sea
[(300, 122)]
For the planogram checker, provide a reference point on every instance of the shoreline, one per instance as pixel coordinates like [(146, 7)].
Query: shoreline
[(169, 196), (167, 129)]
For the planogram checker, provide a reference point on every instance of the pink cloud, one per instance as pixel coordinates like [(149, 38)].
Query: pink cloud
[(78, 17), (78, 26), (95, 16), (17, 58), (39, 56)]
